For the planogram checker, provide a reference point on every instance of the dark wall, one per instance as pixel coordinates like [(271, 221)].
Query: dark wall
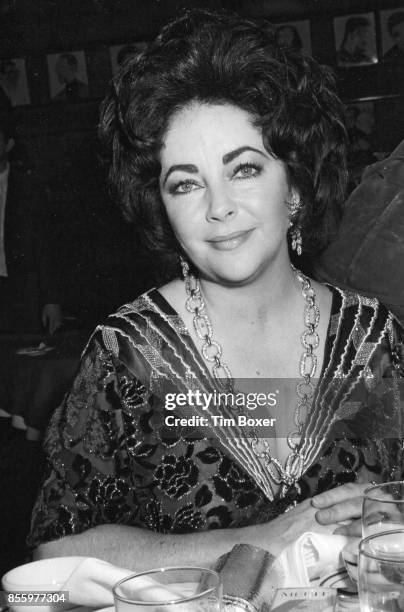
[(33, 29), (97, 252)]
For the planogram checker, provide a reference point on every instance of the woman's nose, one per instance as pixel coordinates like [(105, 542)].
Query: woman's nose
[(220, 205)]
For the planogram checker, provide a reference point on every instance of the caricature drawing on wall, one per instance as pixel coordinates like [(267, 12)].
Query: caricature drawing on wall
[(68, 80), (13, 81), (355, 40)]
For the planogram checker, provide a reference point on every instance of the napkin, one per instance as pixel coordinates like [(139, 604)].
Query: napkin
[(91, 582), (309, 557)]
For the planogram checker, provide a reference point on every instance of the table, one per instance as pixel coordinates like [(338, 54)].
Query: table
[(31, 387)]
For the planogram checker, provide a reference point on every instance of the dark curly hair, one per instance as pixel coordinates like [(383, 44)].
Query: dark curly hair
[(225, 59)]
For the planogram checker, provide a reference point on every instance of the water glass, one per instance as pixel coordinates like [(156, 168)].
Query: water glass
[(381, 572), (172, 589), (383, 508)]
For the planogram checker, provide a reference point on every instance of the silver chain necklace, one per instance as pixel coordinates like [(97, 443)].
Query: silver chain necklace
[(212, 352)]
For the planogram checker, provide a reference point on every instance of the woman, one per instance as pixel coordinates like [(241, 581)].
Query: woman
[(229, 154)]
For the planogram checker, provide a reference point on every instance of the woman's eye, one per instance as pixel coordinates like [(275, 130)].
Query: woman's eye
[(246, 171), (184, 187)]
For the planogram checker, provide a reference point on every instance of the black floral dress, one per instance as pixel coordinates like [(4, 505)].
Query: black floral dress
[(112, 458)]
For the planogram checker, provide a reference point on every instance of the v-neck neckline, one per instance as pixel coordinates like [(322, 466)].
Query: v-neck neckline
[(262, 475)]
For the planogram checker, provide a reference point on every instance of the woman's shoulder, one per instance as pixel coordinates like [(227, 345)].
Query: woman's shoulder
[(350, 299), (143, 304), (149, 305), (363, 335), (357, 311), (144, 321)]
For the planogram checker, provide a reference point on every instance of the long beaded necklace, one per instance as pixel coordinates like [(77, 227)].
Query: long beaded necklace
[(212, 352)]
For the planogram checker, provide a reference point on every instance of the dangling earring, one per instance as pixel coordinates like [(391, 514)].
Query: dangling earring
[(297, 241), (296, 233), (184, 267)]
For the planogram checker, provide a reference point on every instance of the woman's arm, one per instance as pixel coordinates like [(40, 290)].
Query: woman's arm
[(140, 549)]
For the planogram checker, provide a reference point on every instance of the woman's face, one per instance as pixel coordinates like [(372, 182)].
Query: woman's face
[(225, 195)]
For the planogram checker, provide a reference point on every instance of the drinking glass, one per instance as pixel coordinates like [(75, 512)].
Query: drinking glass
[(383, 508), (381, 572), (172, 589)]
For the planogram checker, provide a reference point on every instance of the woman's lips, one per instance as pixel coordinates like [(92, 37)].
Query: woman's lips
[(230, 241)]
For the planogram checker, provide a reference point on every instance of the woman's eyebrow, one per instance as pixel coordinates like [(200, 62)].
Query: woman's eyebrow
[(233, 154), (184, 167), (227, 158)]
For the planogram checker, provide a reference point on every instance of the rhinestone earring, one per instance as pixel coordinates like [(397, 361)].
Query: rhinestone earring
[(295, 205), (296, 233), (184, 267), (297, 241)]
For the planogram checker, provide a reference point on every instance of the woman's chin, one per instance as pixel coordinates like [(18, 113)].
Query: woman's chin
[(234, 277)]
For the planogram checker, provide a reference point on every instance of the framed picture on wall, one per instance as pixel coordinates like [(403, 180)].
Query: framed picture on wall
[(118, 54), (295, 35), (392, 28), (355, 40), (13, 81), (68, 78)]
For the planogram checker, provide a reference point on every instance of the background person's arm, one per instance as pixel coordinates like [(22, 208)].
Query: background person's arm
[(367, 254)]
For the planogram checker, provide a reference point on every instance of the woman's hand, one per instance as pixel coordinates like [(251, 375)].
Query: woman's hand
[(287, 527), (343, 503)]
